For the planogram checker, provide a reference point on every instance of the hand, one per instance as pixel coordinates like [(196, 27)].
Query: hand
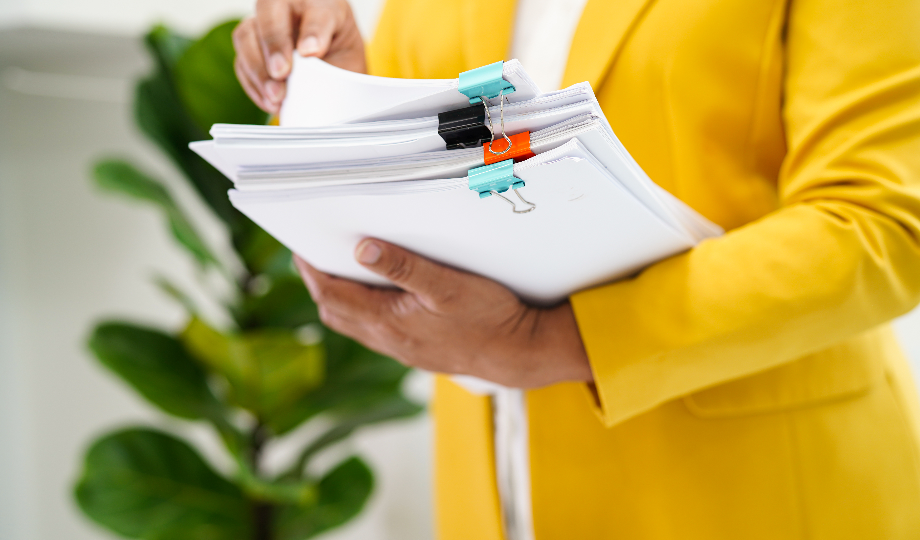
[(449, 321), (265, 43)]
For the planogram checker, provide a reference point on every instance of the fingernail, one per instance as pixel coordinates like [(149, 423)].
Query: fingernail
[(298, 262), (277, 65), (273, 91), (309, 46), (368, 252)]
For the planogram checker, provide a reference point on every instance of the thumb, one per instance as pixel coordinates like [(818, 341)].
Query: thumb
[(408, 271)]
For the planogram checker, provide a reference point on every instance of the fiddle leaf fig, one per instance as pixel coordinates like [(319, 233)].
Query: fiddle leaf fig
[(158, 366), (357, 379), (166, 46), (175, 292), (393, 408), (267, 369), (146, 484), (342, 494), (173, 107), (207, 83), (160, 114), (286, 304), (122, 177), (275, 369)]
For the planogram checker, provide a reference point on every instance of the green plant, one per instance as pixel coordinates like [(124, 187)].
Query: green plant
[(254, 382)]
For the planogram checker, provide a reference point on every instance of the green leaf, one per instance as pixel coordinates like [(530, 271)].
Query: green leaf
[(176, 293), (162, 111), (394, 408), (158, 367), (142, 483), (287, 304), (342, 494), (357, 379), (161, 115), (263, 254), (296, 491), (267, 369), (168, 45), (207, 83), (122, 177)]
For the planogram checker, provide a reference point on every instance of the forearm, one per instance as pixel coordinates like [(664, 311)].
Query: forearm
[(793, 283)]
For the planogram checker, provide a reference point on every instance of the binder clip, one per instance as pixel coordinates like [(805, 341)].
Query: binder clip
[(464, 128), (485, 81), (482, 84), (518, 150), (496, 179)]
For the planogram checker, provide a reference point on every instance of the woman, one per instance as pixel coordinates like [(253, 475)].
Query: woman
[(749, 388)]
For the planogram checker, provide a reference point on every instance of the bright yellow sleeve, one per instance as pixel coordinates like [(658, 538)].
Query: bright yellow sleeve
[(841, 254)]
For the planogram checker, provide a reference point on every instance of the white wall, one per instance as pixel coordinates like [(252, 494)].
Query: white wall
[(130, 17)]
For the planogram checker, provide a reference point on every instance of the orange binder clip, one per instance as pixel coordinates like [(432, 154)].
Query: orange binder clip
[(520, 149)]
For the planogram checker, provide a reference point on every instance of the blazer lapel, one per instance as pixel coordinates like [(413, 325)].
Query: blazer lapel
[(487, 27), (602, 30)]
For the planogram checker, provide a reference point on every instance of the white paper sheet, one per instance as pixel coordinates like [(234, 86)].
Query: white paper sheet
[(236, 147), (587, 228), (319, 94)]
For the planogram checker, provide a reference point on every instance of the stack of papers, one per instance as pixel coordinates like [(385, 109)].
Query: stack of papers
[(323, 95), (359, 156)]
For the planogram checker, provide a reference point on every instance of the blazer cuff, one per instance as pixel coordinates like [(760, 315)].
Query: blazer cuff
[(625, 383)]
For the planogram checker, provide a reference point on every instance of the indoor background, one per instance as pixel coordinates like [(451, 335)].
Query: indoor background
[(70, 255)]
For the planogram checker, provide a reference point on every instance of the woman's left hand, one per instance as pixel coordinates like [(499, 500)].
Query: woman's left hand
[(449, 321)]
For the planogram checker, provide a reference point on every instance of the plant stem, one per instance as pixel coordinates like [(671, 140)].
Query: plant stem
[(261, 511), (262, 521)]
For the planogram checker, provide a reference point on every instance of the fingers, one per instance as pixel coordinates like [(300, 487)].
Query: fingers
[(250, 69), (265, 43), (356, 301), (276, 36), (318, 24), (349, 308), (408, 271), (254, 93)]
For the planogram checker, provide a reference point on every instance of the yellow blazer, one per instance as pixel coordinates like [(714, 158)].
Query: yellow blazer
[(749, 388)]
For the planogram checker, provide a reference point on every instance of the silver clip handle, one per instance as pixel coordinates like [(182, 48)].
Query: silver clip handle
[(501, 110), (514, 207)]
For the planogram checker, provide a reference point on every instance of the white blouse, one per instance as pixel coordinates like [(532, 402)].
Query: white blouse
[(543, 32)]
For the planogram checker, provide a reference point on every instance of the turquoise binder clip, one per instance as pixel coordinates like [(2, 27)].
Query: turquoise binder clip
[(496, 179), (485, 81)]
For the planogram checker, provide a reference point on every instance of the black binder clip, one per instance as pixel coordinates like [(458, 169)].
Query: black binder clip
[(464, 128)]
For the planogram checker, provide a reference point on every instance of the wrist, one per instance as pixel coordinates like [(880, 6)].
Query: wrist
[(557, 348)]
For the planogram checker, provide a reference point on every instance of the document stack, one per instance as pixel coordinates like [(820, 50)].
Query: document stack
[(484, 173)]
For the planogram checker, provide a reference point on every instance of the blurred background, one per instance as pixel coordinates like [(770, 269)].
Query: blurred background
[(70, 256)]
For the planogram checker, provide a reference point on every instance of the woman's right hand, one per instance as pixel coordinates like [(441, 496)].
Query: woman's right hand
[(265, 44)]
